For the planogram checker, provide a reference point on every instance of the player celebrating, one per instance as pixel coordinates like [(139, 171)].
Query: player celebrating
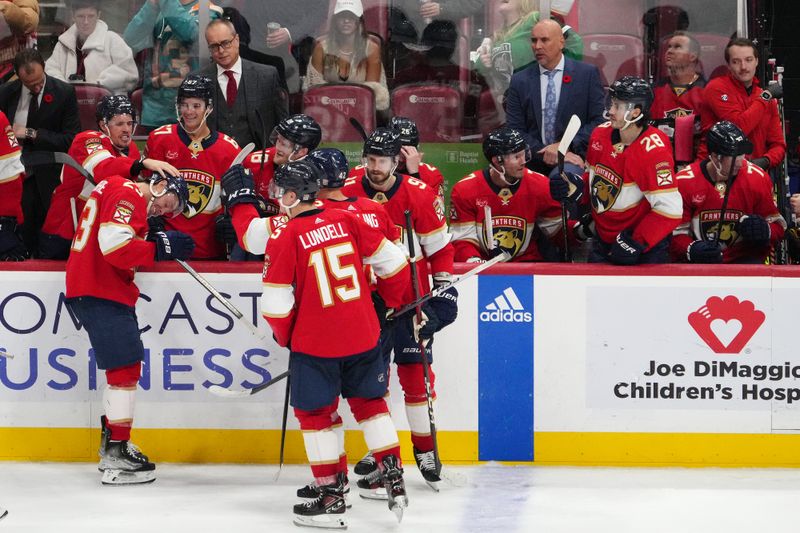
[(201, 155), (410, 160), (524, 218), (108, 246), (11, 175), (399, 193), (635, 201), (104, 152), (314, 283), (752, 224)]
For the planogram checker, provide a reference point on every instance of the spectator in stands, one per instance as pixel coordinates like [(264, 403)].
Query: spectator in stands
[(44, 114), (22, 18), (299, 23), (348, 54), (169, 29), (509, 50), (739, 98), (88, 51), (242, 88), (420, 13), (574, 88), (681, 93), (242, 28)]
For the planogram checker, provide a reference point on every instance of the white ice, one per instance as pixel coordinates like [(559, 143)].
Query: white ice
[(67, 498)]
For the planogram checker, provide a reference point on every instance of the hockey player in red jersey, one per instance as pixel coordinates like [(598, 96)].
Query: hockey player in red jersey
[(12, 172), (410, 160), (752, 224), (103, 152), (634, 198), (202, 156), (524, 218), (108, 247), (314, 283), (398, 193), (293, 138)]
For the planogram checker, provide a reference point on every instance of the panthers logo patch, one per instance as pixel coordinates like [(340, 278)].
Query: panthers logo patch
[(508, 233), (605, 186), (201, 188), (709, 223)]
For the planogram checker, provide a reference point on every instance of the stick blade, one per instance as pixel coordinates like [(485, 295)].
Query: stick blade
[(222, 392), (569, 134)]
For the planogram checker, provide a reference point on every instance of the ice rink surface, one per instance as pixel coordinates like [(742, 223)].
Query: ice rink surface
[(68, 497)]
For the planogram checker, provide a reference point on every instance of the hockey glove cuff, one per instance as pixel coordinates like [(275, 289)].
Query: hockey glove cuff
[(224, 231), (755, 230), (701, 251), (238, 187), (172, 245), (567, 187), (625, 250)]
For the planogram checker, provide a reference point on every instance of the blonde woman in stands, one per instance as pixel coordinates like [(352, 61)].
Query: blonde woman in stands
[(348, 54)]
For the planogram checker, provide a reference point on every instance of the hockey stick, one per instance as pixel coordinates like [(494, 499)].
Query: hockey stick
[(505, 256), (263, 141), (426, 371), (222, 392), (724, 207), (37, 159), (488, 228), (359, 127), (6, 355), (563, 147), (283, 423)]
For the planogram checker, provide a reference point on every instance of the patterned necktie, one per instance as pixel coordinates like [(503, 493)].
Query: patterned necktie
[(232, 89), (549, 115)]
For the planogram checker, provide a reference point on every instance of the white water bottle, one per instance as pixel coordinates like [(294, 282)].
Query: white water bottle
[(427, 20)]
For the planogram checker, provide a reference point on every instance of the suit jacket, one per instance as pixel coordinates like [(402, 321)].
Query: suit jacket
[(582, 95), (264, 93)]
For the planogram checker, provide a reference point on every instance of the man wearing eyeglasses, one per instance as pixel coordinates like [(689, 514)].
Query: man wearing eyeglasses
[(251, 100)]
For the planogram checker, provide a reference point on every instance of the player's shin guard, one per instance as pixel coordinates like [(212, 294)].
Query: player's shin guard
[(412, 379), (118, 399), (381, 438), (321, 443)]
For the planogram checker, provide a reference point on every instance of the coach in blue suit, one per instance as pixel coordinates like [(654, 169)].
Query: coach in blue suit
[(540, 108)]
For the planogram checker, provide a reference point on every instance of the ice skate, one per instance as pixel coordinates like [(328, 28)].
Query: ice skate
[(311, 491), (326, 510), (366, 465), (426, 462), (105, 436), (395, 486), (122, 463), (371, 487)]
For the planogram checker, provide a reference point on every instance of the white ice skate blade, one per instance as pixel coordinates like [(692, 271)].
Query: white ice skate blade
[(321, 521), (433, 484), (374, 494), (400, 503), (122, 477)]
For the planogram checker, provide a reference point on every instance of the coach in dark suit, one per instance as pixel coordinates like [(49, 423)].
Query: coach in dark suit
[(542, 98), (242, 88), (44, 114)]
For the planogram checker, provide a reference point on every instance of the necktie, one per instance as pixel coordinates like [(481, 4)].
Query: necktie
[(33, 107), (549, 115), (231, 90)]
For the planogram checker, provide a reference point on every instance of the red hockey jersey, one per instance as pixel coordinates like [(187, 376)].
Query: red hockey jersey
[(95, 152), (262, 174), (728, 99), (672, 101), (632, 187), (428, 174), (109, 244), (11, 172), (520, 214), (367, 210), (431, 239), (750, 194), (202, 165), (314, 283)]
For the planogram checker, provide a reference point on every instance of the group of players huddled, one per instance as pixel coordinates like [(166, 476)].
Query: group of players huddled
[(335, 247)]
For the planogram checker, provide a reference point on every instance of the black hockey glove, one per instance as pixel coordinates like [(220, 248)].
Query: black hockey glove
[(238, 187), (761, 162), (754, 230), (380, 310), (155, 224), (172, 245), (224, 231), (704, 252), (584, 228), (266, 208), (11, 247), (441, 310), (625, 250), (567, 187), (793, 244)]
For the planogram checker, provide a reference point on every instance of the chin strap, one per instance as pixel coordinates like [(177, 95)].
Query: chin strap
[(628, 111), (501, 173), (202, 122)]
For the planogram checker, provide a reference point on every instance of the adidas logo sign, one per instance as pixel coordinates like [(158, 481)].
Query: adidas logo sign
[(506, 308)]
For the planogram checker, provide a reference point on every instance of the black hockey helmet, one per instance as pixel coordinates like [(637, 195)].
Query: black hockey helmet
[(300, 129), (112, 105), (175, 185), (504, 141), (726, 139), (333, 164), (383, 142), (634, 90), (194, 86), (301, 177), (407, 129)]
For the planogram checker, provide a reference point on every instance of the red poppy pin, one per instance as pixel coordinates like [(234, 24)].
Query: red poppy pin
[(567, 78), (48, 98)]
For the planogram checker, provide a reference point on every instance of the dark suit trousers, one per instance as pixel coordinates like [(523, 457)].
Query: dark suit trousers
[(36, 193)]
